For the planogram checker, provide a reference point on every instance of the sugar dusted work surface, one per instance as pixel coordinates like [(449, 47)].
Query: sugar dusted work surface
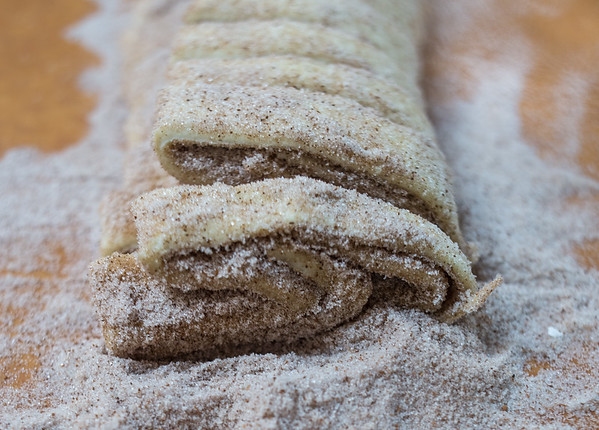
[(513, 95)]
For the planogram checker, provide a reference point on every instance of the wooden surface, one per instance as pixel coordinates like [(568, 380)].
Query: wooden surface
[(42, 105)]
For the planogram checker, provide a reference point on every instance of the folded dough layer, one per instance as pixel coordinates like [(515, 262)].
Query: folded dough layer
[(372, 21), (282, 37), (321, 97), (216, 132), (274, 260), (398, 104), (145, 318)]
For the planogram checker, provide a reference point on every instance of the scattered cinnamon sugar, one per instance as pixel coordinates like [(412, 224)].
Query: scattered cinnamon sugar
[(528, 360)]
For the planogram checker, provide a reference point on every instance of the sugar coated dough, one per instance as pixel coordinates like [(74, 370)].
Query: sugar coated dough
[(292, 256), (315, 177)]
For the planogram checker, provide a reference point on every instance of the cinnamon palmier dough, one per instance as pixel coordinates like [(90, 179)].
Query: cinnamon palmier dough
[(282, 37), (206, 133), (219, 266), (361, 86), (328, 106), (277, 89)]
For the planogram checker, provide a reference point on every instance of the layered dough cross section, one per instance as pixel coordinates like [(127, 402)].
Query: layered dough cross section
[(313, 178), (221, 265)]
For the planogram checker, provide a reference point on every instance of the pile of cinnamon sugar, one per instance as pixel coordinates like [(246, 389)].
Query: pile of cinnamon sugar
[(530, 358)]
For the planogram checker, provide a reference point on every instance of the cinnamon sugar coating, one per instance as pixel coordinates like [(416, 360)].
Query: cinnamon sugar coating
[(325, 136), (290, 256), (325, 90), (321, 180)]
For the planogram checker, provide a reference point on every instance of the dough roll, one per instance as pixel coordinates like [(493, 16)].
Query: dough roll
[(276, 260), (265, 89), (312, 178)]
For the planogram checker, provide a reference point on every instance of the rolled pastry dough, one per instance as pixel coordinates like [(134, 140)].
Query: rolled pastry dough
[(219, 265), (322, 89), (315, 179)]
